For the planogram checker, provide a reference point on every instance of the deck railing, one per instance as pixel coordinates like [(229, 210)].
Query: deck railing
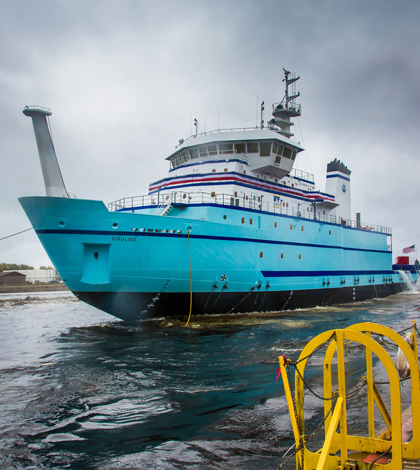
[(181, 198)]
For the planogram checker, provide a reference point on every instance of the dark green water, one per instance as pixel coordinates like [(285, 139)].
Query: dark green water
[(80, 390)]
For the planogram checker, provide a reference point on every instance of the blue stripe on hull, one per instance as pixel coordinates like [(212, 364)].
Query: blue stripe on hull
[(203, 237)]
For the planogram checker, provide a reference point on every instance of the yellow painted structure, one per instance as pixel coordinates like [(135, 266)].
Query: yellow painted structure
[(338, 443)]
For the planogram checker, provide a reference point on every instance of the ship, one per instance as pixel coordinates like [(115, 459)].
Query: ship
[(232, 228)]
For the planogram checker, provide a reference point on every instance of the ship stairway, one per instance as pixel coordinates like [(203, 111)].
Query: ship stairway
[(163, 209)]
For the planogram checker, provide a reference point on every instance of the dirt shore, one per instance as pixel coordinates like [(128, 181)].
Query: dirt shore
[(12, 289)]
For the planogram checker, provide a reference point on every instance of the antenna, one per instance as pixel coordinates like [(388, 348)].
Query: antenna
[(196, 125), (262, 115)]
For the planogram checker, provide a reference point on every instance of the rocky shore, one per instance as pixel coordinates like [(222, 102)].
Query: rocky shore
[(41, 287)]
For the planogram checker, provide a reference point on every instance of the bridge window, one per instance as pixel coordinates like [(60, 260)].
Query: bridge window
[(265, 149), (277, 160), (252, 147), (287, 152), (240, 147), (226, 148), (194, 153), (203, 151), (212, 149)]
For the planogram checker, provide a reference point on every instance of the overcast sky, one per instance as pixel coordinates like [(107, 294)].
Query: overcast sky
[(125, 78)]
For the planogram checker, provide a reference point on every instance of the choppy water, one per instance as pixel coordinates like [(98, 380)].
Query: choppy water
[(81, 390)]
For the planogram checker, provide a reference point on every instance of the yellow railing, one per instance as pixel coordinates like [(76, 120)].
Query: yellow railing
[(335, 452)]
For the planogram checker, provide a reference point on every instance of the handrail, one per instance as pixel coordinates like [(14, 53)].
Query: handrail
[(341, 442), (216, 131), (197, 198)]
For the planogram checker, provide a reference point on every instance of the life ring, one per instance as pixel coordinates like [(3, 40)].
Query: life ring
[(402, 363)]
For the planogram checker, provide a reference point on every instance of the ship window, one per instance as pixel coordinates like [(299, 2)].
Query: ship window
[(293, 155), (252, 147), (300, 256), (307, 209), (250, 221), (287, 152), (213, 194), (275, 147), (329, 232), (213, 171), (261, 254), (226, 148), (240, 147), (291, 226), (203, 151), (194, 153), (212, 149), (243, 220), (224, 217), (277, 160), (287, 204), (244, 172), (280, 150), (302, 228), (275, 224), (265, 149), (282, 256)]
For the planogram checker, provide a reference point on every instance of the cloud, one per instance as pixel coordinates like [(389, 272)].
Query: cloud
[(125, 79)]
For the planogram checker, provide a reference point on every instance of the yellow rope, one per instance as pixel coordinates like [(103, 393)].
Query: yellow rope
[(189, 255)]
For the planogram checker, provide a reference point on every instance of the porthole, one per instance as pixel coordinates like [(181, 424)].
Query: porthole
[(300, 256), (281, 256), (61, 224), (250, 221), (329, 232), (243, 220), (115, 225), (261, 254), (224, 217), (213, 194), (291, 226), (184, 196), (302, 228), (275, 224)]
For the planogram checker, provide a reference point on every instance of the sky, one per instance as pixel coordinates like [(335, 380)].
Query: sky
[(125, 79)]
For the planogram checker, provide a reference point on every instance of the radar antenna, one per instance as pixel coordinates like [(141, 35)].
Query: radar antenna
[(287, 108)]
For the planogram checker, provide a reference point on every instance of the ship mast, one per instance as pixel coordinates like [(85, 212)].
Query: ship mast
[(287, 108)]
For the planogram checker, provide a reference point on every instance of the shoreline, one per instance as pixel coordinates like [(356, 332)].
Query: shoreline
[(23, 288)]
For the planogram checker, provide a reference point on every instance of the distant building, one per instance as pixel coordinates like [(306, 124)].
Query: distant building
[(12, 278), (39, 275)]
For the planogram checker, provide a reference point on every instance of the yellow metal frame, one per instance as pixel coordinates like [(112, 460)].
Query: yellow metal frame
[(335, 452)]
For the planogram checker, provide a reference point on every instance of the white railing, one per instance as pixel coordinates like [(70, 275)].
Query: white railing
[(179, 198)]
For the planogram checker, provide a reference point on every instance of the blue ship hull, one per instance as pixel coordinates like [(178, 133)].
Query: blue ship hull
[(136, 265)]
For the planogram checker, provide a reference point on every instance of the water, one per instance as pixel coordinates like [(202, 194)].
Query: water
[(81, 390)]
